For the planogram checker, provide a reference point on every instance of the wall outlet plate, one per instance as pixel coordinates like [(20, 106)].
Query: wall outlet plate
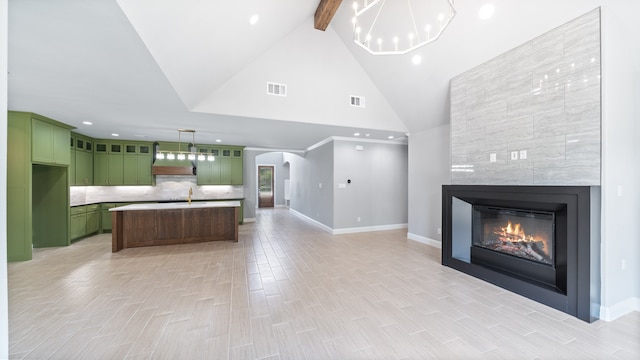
[(523, 154), (514, 155)]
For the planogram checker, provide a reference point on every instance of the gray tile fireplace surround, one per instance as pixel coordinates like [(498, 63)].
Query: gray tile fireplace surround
[(542, 98)]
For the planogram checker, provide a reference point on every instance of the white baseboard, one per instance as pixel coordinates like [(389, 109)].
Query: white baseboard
[(248, 220), (369, 228), (349, 230), (610, 313), (424, 240), (315, 222)]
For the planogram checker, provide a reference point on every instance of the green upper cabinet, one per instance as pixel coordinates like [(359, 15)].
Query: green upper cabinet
[(226, 169), (122, 163), (81, 168), (50, 142)]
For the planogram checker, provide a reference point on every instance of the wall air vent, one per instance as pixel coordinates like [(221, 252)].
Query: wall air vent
[(357, 101), (276, 89)]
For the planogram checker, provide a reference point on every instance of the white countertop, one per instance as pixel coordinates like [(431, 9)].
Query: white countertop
[(179, 205)]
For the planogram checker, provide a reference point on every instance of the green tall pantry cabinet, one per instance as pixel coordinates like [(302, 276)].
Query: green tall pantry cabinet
[(37, 184)]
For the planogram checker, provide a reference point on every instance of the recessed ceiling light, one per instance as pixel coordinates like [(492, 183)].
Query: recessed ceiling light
[(390, 137), (367, 134), (486, 11), (254, 19), (417, 59), (218, 140), (356, 134), (87, 122), (141, 136), (115, 134)]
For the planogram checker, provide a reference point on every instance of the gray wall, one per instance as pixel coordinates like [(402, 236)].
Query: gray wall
[(428, 170), (311, 180), (377, 193), (542, 98)]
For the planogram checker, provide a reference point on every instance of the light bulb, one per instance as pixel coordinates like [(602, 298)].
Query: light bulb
[(201, 157), (171, 156), (160, 156), (191, 156), (181, 157)]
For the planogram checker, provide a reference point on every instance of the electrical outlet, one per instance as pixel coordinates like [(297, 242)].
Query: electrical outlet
[(493, 157), (358, 218), (439, 231), (319, 185), (514, 155), (523, 154), (623, 265)]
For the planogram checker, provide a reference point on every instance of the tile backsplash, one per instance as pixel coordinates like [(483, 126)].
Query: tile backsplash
[(167, 188), (531, 116)]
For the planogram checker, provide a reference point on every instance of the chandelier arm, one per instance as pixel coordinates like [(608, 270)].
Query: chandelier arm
[(413, 19), (376, 18)]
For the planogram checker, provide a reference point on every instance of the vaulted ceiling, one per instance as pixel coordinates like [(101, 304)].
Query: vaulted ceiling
[(144, 68)]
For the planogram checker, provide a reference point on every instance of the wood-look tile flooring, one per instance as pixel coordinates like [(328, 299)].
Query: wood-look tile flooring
[(286, 290)]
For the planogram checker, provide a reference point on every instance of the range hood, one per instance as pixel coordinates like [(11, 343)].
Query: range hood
[(173, 167)]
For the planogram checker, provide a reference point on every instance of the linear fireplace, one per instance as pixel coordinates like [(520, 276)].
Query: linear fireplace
[(534, 240)]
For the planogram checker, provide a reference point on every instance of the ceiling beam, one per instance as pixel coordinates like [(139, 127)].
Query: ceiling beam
[(324, 13)]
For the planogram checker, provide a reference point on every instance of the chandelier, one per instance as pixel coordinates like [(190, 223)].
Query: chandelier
[(182, 155), (396, 27)]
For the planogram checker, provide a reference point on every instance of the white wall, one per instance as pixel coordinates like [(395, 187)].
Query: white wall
[(429, 169), (621, 168), (4, 305)]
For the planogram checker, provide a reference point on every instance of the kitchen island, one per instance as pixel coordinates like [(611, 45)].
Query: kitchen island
[(173, 223)]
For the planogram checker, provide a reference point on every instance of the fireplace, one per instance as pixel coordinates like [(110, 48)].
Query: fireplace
[(538, 241)]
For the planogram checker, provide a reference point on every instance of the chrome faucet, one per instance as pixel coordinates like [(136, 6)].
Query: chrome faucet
[(190, 194)]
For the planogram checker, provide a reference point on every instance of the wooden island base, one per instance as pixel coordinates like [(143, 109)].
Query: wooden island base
[(170, 224)]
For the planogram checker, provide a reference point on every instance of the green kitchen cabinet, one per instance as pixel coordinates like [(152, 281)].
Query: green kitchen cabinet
[(100, 169), (93, 219), (72, 161), (137, 162), (50, 143), (115, 169), (37, 185), (78, 221), (227, 169), (106, 216), (84, 168), (84, 220), (83, 175)]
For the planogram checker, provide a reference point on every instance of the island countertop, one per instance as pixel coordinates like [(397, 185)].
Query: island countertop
[(177, 205)]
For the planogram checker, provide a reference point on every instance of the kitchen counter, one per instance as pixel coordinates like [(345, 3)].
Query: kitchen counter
[(140, 225), (177, 205)]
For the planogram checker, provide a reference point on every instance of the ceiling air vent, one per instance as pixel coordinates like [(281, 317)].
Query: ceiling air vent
[(276, 89), (357, 101)]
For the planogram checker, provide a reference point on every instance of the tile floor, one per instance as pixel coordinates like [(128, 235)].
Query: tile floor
[(286, 290)]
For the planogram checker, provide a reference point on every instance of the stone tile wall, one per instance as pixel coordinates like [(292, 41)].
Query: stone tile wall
[(167, 188), (542, 98)]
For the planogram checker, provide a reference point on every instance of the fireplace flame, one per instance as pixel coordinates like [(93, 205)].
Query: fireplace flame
[(515, 233)]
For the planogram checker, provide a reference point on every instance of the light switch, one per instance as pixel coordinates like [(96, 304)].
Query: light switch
[(493, 157), (523, 154), (342, 186), (319, 185), (514, 155)]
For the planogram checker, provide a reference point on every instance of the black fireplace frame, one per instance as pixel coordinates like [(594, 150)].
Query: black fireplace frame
[(577, 299)]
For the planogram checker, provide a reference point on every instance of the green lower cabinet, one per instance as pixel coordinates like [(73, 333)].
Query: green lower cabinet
[(78, 222), (106, 216), (93, 219), (84, 221)]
